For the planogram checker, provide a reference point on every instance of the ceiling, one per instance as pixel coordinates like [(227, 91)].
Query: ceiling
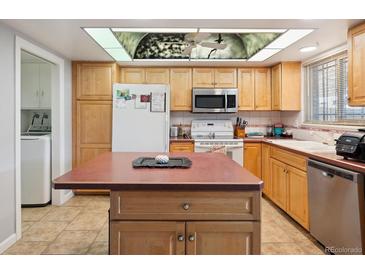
[(69, 39)]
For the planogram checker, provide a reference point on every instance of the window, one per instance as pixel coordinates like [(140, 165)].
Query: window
[(327, 94)]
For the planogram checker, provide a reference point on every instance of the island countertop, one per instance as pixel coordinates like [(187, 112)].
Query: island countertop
[(114, 171)]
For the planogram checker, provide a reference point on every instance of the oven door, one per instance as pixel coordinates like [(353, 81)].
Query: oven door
[(209, 100), (235, 152)]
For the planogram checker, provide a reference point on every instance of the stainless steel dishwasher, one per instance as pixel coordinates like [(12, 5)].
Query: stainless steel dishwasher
[(336, 208)]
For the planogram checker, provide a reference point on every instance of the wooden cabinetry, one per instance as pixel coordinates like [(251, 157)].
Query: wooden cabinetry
[(252, 158), (246, 89), (182, 146), (92, 110), (262, 89), (279, 183), (145, 75), (185, 222), (222, 238), (356, 66), (180, 89), (94, 133), (265, 167), (94, 81), (289, 186), (298, 196), (147, 238), (214, 77), (286, 86)]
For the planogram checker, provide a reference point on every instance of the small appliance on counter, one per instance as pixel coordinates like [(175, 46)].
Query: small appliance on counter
[(173, 131), (352, 145), (278, 129)]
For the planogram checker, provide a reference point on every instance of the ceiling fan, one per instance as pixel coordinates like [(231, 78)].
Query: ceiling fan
[(195, 39)]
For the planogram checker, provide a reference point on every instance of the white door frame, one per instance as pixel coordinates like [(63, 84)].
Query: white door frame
[(58, 123)]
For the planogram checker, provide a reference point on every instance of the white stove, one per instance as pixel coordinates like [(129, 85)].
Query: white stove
[(217, 136)]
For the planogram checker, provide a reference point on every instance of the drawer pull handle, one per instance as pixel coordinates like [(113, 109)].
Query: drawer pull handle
[(180, 238), (191, 238), (186, 206)]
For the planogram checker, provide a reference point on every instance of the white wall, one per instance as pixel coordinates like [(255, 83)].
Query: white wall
[(7, 136), (7, 122)]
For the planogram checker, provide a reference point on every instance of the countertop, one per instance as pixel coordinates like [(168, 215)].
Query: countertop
[(113, 170), (327, 157)]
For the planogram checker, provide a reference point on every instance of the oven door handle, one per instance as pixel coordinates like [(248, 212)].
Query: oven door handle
[(210, 146)]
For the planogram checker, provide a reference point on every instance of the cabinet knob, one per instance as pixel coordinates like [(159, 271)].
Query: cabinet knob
[(180, 238), (191, 238), (186, 206)]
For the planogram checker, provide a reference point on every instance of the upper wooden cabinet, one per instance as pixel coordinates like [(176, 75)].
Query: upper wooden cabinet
[(286, 86), (246, 89), (145, 75), (225, 77), (203, 77), (180, 89), (262, 89), (215, 77), (356, 66), (252, 158), (132, 75), (94, 81), (157, 76)]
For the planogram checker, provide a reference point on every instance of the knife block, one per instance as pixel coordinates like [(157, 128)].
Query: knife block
[(239, 132)]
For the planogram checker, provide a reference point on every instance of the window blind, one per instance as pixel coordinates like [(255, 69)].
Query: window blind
[(327, 92)]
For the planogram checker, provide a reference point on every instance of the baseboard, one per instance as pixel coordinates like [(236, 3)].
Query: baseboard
[(67, 197), (8, 242)]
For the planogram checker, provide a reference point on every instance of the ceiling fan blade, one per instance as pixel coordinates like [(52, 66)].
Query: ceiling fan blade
[(213, 45), (200, 36), (188, 49)]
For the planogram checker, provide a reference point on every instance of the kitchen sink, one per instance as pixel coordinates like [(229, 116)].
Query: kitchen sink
[(307, 146)]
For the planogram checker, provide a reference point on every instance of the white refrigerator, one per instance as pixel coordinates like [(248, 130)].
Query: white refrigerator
[(141, 116)]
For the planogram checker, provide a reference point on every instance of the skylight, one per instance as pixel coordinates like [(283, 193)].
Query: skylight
[(187, 44)]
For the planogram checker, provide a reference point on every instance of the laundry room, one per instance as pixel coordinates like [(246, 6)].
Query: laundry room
[(36, 129)]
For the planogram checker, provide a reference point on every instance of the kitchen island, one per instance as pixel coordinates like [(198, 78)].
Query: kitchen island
[(213, 207)]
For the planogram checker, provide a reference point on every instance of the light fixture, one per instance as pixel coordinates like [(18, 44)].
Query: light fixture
[(242, 30), (106, 39), (263, 54), (308, 49), (288, 38), (156, 30)]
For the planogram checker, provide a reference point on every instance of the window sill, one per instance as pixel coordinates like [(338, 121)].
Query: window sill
[(334, 127)]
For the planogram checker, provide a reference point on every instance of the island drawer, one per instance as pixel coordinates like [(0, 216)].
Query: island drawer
[(289, 158), (185, 205)]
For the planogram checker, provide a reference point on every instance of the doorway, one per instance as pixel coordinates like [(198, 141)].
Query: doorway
[(40, 106)]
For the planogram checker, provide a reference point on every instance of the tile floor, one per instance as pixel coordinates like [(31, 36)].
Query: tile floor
[(80, 227)]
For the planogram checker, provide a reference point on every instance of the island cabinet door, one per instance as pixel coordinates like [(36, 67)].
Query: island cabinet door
[(147, 238), (222, 238)]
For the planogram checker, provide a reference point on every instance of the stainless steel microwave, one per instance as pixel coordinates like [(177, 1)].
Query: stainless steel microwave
[(215, 100)]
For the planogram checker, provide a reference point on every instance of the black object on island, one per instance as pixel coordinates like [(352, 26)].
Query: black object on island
[(174, 162)]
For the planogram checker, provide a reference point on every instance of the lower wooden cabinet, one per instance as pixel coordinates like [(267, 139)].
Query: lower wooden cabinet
[(298, 196), (252, 158), (222, 238), (179, 238), (265, 167), (279, 183), (147, 238), (181, 147), (289, 189)]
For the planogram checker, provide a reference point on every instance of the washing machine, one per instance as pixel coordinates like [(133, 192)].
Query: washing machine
[(35, 170)]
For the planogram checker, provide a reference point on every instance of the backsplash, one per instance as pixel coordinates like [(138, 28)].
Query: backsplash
[(257, 121)]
